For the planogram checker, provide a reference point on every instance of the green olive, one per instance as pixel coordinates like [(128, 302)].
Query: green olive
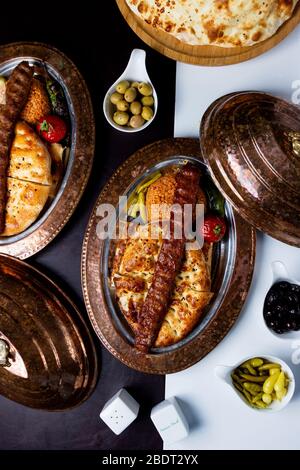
[(122, 86), (147, 101), (135, 84), (145, 89), (147, 113), (122, 105), (115, 98), (130, 94), (136, 107), (136, 121), (121, 118)]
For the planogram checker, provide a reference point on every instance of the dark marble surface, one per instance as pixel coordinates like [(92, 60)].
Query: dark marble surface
[(100, 47)]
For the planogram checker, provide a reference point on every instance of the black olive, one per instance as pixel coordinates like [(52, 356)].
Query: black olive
[(295, 288), (282, 307), (272, 297), (282, 285), (292, 298)]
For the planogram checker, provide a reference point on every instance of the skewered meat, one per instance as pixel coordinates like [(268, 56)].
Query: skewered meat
[(167, 266)]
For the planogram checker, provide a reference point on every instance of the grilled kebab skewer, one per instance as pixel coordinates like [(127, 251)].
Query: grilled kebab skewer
[(167, 266)]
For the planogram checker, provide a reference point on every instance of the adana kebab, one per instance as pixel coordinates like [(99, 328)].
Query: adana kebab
[(167, 266), (17, 91)]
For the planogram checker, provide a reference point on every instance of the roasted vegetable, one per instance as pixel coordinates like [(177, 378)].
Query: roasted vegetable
[(52, 128), (214, 229), (57, 99), (148, 183), (215, 198)]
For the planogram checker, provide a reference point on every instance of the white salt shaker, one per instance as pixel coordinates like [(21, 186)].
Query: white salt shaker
[(120, 411), (170, 421)]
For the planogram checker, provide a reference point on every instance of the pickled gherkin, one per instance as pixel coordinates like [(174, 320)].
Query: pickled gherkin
[(260, 382)]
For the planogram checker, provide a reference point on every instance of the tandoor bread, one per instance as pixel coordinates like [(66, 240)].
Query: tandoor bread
[(225, 23), (132, 273), (29, 180), (24, 204), (29, 156)]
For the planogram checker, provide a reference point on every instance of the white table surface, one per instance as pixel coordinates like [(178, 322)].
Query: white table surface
[(219, 420)]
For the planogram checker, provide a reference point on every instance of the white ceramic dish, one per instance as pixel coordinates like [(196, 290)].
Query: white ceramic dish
[(135, 71), (224, 373)]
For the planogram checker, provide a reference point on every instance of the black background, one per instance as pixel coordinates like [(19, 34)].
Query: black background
[(99, 43)]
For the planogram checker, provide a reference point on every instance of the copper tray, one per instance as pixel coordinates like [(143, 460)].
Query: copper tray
[(53, 362), (235, 262), (51, 222)]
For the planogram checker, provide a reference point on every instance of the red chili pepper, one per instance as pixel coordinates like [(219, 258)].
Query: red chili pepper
[(214, 228), (52, 128)]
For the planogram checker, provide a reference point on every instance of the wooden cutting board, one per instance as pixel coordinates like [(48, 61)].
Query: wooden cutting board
[(202, 55)]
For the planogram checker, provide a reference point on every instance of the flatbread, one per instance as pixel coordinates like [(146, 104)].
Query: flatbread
[(29, 180), (132, 274), (24, 204), (225, 23), (29, 156), (183, 315)]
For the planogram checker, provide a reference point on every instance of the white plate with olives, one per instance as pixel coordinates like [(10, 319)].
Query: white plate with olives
[(130, 105)]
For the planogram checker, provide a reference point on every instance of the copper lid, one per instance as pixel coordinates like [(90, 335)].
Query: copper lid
[(48, 357), (251, 142)]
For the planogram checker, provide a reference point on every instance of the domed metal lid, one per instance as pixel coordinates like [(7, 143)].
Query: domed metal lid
[(251, 142), (47, 357)]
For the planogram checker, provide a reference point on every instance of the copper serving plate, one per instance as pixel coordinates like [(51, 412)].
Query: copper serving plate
[(52, 359), (232, 265), (251, 142), (56, 215)]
